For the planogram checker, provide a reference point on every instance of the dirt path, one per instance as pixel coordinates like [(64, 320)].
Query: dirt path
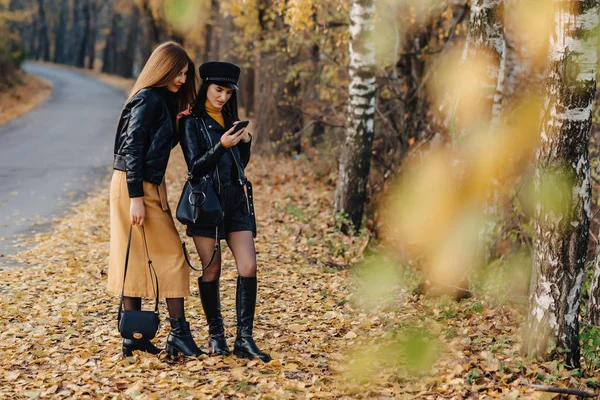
[(55, 153)]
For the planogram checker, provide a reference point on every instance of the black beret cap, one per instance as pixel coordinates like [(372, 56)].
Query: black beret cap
[(220, 73)]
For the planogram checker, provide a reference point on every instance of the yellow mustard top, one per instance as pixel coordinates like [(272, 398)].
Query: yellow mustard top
[(214, 112)]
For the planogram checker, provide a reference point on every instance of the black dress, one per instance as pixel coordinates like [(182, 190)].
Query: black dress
[(206, 157)]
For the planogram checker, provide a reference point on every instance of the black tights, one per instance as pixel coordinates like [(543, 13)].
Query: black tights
[(175, 306), (242, 247)]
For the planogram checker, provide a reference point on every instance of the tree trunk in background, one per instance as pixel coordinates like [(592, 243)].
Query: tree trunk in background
[(522, 74), (61, 30), (264, 99), (593, 308), (561, 231), (486, 35), (355, 160), (315, 134), (43, 39), (211, 47), (248, 93), (154, 32), (408, 119), (128, 56), (110, 47), (83, 44), (93, 31), (74, 33), (486, 38)]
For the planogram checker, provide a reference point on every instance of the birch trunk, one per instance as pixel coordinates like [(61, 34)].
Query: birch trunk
[(486, 37), (593, 308), (356, 154), (561, 233)]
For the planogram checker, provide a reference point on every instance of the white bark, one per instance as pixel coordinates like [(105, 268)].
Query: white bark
[(486, 37), (561, 236), (356, 154)]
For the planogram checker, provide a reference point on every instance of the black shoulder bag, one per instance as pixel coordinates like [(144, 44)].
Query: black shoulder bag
[(200, 204), (137, 324)]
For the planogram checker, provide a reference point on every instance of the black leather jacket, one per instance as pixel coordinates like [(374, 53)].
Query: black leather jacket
[(145, 137), (202, 157)]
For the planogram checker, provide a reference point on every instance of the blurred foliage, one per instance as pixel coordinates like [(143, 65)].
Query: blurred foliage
[(434, 157), (12, 48)]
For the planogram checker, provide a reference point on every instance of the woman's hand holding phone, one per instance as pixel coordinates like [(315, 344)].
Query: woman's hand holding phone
[(233, 137)]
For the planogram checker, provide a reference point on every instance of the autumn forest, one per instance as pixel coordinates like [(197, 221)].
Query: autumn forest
[(428, 177)]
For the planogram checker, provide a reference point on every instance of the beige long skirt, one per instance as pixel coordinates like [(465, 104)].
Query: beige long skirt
[(164, 245)]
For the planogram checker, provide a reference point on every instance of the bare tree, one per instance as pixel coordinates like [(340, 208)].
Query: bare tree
[(351, 191), (61, 30), (94, 11), (83, 44), (211, 45), (43, 39), (561, 232)]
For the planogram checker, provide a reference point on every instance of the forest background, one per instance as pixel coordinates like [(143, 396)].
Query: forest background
[(463, 129)]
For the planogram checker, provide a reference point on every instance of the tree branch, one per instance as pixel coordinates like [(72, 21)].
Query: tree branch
[(555, 389)]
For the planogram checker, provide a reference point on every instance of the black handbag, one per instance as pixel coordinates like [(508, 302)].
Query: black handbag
[(137, 324), (199, 203)]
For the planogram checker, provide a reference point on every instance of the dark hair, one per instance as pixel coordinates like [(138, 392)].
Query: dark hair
[(231, 107)]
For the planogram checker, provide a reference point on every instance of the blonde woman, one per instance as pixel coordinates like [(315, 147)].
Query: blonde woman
[(145, 136)]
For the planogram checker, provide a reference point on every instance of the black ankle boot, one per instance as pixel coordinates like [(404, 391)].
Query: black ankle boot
[(245, 302), (209, 295), (129, 345), (180, 339)]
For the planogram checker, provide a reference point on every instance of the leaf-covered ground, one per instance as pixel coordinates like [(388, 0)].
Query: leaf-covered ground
[(59, 337), (25, 92)]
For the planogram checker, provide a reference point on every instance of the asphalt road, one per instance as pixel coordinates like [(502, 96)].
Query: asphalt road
[(57, 153)]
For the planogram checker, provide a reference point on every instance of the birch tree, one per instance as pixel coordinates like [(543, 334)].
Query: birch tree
[(356, 154), (593, 308), (562, 217), (486, 37)]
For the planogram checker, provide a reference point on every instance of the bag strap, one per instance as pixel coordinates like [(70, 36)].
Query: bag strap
[(215, 249), (211, 145), (150, 267)]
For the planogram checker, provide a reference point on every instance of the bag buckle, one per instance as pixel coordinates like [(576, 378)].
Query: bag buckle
[(194, 203)]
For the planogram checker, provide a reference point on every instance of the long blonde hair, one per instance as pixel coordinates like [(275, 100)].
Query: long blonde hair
[(164, 64)]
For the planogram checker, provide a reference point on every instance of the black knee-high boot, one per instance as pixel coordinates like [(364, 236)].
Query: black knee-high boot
[(245, 302), (209, 295), (180, 339)]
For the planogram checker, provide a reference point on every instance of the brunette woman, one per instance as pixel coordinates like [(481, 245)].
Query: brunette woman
[(138, 195), (211, 147)]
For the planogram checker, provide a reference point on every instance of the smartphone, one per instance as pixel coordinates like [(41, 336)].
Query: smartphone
[(240, 125)]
